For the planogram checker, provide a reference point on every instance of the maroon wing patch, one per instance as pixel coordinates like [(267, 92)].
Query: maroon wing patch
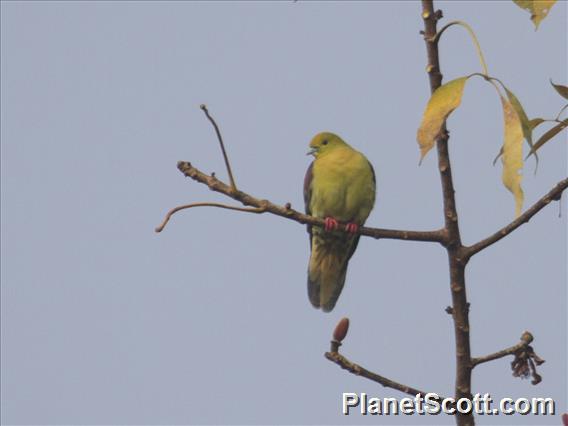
[(308, 195)]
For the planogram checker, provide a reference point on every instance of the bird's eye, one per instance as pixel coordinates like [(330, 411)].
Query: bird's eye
[(324, 143)]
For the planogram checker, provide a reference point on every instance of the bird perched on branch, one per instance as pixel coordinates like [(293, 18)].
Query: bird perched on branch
[(339, 187)]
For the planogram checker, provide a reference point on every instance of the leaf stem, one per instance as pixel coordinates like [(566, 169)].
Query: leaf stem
[(557, 119), (436, 38)]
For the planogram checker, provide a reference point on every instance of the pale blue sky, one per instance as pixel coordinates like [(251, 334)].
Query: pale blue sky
[(106, 322)]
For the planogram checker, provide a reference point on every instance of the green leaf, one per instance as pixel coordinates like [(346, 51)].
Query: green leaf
[(443, 101), (537, 8), (525, 122), (535, 122), (562, 90), (548, 135), (512, 154)]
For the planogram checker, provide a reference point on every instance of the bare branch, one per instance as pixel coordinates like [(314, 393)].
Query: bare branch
[(356, 369), (225, 157), (460, 306), (525, 361), (161, 227), (286, 211), (553, 195), (526, 339)]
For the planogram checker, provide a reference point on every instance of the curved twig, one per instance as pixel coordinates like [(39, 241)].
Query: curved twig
[(225, 157), (169, 214)]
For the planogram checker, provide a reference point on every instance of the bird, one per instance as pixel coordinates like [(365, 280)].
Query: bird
[(339, 187)]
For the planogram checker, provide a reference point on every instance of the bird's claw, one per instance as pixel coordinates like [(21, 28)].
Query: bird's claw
[(330, 224), (352, 228)]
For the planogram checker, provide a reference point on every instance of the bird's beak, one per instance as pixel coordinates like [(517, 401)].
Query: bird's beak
[(312, 151)]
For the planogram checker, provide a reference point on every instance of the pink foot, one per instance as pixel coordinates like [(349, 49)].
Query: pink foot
[(330, 224), (352, 228)]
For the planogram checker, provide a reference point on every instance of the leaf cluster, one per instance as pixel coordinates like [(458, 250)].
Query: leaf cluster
[(516, 124)]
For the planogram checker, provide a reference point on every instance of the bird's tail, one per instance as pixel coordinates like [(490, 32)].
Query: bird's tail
[(326, 275)]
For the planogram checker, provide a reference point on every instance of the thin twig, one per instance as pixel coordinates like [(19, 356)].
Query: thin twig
[(526, 339), (169, 214), (553, 194), (356, 369), (286, 211), (225, 157), (557, 119)]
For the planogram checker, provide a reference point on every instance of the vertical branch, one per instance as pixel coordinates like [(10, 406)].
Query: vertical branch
[(456, 259)]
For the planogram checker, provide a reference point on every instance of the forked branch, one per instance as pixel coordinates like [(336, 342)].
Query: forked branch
[(265, 206)]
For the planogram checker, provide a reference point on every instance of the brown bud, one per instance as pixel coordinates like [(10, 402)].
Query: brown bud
[(341, 329)]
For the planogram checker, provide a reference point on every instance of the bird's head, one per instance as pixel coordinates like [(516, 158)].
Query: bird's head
[(325, 142)]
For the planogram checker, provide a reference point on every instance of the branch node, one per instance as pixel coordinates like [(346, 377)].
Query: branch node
[(527, 338)]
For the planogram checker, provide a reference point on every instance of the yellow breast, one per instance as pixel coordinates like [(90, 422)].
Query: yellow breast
[(343, 186)]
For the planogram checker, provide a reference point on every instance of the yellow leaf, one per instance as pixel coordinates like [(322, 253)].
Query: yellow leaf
[(537, 8), (443, 101), (512, 154), (525, 122)]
